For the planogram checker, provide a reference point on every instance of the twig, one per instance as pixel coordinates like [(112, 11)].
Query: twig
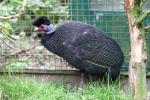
[(11, 17), (18, 52), (21, 11), (143, 16), (142, 3), (147, 28), (6, 43), (1, 25), (22, 51)]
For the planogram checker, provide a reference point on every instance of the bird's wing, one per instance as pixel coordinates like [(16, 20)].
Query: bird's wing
[(101, 51)]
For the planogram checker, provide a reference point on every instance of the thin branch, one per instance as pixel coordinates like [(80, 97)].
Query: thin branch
[(21, 11), (6, 43), (16, 53), (143, 16), (23, 50), (147, 28), (11, 17), (143, 3), (8, 36)]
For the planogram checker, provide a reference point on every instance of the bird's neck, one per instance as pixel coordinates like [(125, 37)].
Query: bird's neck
[(50, 29)]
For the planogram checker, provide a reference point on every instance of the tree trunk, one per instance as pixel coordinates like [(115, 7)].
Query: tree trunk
[(138, 60)]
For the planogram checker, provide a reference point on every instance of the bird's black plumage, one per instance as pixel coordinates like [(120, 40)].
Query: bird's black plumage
[(41, 20), (85, 47)]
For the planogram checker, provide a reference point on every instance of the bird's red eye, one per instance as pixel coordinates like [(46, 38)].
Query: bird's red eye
[(41, 26)]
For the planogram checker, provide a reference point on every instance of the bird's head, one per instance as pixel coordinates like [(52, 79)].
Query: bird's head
[(43, 24)]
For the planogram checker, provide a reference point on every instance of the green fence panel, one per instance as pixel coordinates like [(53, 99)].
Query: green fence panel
[(113, 23)]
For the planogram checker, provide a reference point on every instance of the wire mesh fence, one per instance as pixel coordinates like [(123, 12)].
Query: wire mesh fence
[(27, 52)]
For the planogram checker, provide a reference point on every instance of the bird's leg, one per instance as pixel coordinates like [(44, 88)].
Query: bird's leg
[(91, 78), (82, 75), (108, 76)]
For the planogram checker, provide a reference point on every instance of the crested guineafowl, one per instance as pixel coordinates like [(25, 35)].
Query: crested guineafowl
[(83, 46)]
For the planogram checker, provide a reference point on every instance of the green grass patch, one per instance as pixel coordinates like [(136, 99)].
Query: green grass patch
[(19, 88)]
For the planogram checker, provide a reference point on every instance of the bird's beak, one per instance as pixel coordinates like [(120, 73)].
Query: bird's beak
[(36, 29)]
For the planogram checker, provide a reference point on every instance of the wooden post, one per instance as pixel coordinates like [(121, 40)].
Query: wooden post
[(138, 60)]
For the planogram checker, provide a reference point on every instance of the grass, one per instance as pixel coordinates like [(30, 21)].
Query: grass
[(25, 89)]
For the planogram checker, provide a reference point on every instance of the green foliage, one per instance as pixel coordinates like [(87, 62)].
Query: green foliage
[(10, 7), (25, 89), (5, 31), (50, 8)]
